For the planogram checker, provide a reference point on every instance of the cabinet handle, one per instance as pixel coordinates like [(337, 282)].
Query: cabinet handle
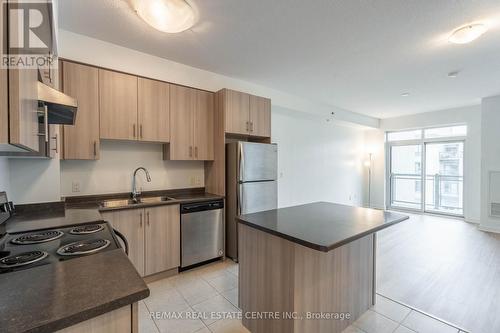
[(56, 149), (196, 151), (95, 148), (147, 213), (46, 122), (140, 130), (248, 126), (251, 126), (133, 126), (140, 220), (190, 151)]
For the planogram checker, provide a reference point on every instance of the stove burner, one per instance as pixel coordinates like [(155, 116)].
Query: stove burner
[(22, 259), (83, 247), (38, 237), (87, 229)]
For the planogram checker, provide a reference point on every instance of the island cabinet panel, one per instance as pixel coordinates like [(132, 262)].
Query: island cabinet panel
[(118, 105), (260, 116), (204, 126), (116, 321), (192, 125), (278, 275), (236, 112), (162, 240), (130, 223), (153, 110), (81, 141)]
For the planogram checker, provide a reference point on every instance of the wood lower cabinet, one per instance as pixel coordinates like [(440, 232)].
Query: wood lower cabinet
[(153, 236), (130, 223), (153, 110), (162, 239), (81, 141), (118, 105), (260, 116), (192, 125), (122, 320)]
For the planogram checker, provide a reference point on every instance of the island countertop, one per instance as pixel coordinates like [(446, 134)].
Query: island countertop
[(322, 226)]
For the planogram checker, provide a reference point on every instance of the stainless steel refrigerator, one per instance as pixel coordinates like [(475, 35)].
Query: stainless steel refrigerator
[(251, 184)]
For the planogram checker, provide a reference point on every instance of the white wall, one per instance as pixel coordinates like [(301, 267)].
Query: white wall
[(472, 169), (490, 157), (4, 175), (113, 172), (317, 160)]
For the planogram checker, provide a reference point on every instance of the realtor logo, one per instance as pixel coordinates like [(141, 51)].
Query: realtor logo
[(27, 34)]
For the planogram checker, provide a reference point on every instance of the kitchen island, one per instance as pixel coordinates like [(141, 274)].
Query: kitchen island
[(308, 268)]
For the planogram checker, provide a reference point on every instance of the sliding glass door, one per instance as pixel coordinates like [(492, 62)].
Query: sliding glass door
[(444, 177), (426, 170)]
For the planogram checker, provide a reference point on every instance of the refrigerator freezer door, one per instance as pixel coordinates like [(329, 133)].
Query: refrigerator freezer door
[(258, 161), (258, 196)]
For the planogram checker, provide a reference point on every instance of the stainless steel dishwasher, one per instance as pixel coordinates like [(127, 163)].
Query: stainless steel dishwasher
[(202, 232)]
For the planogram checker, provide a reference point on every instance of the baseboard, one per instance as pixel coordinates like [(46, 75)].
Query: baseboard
[(489, 228), (473, 221)]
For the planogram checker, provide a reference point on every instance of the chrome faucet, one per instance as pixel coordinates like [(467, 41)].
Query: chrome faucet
[(135, 193)]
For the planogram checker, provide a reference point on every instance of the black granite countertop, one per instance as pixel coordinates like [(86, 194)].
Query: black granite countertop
[(177, 197), (51, 297), (322, 226)]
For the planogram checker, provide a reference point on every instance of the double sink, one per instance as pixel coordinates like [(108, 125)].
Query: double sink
[(117, 203)]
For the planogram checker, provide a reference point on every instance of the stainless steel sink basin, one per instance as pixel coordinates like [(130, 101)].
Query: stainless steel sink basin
[(155, 199), (115, 203)]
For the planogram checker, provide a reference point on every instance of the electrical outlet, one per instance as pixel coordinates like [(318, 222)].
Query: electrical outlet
[(198, 181), (75, 186), (192, 180)]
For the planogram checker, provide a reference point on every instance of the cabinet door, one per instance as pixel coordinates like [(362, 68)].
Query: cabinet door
[(130, 222), (118, 105), (260, 116), (153, 110), (23, 106), (162, 238), (182, 105), (4, 107), (236, 110), (81, 141), (204, 126)]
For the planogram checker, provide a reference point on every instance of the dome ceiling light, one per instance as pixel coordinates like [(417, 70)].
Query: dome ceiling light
[(171, 16), (468, 33)]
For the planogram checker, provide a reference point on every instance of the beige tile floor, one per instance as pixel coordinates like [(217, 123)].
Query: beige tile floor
[(193, 295)]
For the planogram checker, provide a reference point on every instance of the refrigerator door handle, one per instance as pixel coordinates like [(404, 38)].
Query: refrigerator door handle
[(241, 162)]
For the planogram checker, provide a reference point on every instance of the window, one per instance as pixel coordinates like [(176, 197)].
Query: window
[(445, 132), (404, 135)]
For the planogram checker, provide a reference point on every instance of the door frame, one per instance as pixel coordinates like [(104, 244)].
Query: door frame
[(422, 142)]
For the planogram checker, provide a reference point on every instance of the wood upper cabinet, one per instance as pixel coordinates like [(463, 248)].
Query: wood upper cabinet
[(153, 110), (260, 116), (246, 114), (118, 105), (182, 104), (130, 223), (162, 240), (236, 110), (192, 124), (81, 141), (23, 107), (204, 126)]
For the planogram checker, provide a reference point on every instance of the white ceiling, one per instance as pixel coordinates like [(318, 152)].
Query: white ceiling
[(359, 55)]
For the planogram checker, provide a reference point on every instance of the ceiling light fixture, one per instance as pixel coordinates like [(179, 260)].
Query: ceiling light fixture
[(171, 16), (468, 33), (453, 74), (406, 94)]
